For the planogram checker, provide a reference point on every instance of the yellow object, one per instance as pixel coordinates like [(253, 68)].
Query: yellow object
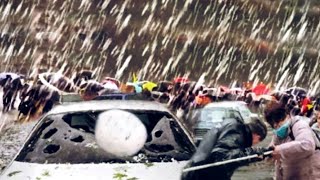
[(309, 106), (134, 78), (149, 85), (81, 92)]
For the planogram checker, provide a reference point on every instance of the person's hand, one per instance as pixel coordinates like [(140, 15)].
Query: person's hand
[(268, 157), (276, 153), (261, 151)]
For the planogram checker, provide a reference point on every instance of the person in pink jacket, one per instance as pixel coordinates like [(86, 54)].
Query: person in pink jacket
[(295, 153)]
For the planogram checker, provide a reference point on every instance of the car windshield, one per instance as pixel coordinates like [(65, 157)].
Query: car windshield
[(216, 115), (213, 115), (244, 110), (69, 138)]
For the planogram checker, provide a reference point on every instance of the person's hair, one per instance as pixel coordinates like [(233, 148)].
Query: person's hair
[(258, 127), (146, 94), (284, 99), (295, 111), (274, 113)]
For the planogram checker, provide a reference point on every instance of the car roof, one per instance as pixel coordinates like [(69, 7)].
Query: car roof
[(225, 104), (100, 105), (118, 94)]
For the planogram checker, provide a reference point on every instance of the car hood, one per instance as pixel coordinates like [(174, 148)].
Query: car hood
[(129, 171)]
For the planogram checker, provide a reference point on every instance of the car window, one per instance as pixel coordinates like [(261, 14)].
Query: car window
[(214, 114), (70, 98), (69, 138), (134, 97), (109, 97), (236, 114), (244, 110)]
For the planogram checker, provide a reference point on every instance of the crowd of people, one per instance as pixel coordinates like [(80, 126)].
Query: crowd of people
[(292, 114), (38, 95), (181, 94)]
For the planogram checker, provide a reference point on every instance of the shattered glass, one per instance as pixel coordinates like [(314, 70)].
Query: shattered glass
[(69, 138)]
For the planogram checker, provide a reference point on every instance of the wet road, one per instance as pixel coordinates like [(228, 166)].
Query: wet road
[(11, 141), (12, 135)]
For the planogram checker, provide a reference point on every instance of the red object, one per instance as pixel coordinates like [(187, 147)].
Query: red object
[(261, 89), (181, 80), (304, 105)]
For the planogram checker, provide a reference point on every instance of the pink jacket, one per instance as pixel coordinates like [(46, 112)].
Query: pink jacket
[(299, 158)]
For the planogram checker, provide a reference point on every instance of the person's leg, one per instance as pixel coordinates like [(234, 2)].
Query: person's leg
[(47, 106), (13, 100), (18, 117), (10, 95), (6, 100)]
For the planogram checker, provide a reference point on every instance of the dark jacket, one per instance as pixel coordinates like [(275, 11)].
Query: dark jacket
[(232, 140)]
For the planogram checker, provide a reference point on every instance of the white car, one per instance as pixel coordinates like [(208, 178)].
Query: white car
[(62, 145)]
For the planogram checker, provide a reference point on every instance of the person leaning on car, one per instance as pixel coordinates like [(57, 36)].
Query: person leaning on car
[(233, 140)]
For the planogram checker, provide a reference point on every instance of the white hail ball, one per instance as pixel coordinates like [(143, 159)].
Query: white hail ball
[(120, 133)]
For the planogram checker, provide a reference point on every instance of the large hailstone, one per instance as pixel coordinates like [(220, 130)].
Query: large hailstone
[(120, 133)]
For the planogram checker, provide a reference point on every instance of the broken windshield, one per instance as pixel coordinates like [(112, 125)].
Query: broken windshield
[(69, 138)]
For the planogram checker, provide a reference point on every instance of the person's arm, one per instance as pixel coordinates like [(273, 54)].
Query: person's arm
[(239, 153), (301, 147), (206, 146), (313, 121), (227, 154)]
